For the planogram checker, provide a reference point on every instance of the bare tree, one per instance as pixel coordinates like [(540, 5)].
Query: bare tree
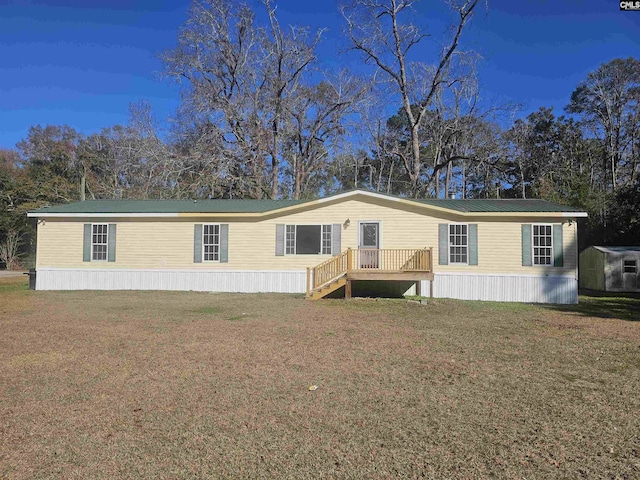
[(240, 78), (608, 100), (127, 161), (9, 249), (288, 57), (375, 29), (319, 117)]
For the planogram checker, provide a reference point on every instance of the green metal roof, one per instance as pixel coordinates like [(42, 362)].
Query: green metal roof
[(499, 205), (171, 206), (262, 206)]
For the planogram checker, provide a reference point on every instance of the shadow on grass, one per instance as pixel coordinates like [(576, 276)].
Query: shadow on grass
[(623, 306)]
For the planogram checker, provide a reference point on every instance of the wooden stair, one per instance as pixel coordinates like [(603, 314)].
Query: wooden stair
[(327, 288), (400, 264)]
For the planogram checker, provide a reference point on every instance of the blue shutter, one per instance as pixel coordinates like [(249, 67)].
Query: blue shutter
[(336, 239), (558, 260), (111, 254), (224, 243), (526, 245), (443, 244), (197, 243), (279, 240), (86, 245), (472, 230)]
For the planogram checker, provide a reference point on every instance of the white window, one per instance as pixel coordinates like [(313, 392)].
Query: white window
[(630, 266), (291, 240), (326, 239), (308, 239), (542, 242), (99, 241), (458, 243), (211, 243)]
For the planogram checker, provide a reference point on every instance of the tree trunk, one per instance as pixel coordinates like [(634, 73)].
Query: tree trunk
[(447, 181), (415, 147), (464, 179), (83, 188), (274, 160)]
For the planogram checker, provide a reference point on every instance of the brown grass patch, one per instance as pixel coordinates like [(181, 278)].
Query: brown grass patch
[(190, 385)]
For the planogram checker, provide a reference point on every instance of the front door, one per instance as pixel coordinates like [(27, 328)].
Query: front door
[(368, 245)]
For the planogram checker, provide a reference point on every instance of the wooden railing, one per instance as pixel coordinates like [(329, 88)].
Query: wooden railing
[(382, 260), (393, 260), (327, 271)]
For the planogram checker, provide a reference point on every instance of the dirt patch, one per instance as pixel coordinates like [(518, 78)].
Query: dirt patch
[(184, 385)]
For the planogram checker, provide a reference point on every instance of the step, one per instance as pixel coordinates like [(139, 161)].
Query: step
[(327, 289)]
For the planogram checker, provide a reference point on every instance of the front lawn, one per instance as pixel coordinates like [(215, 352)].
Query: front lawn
[(192, 385)]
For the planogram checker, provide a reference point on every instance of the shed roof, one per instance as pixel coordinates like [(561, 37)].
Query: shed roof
[(617, 249), (230, 207)]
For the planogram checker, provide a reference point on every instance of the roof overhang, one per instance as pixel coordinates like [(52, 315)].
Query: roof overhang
[(38, 214), (311, 203)]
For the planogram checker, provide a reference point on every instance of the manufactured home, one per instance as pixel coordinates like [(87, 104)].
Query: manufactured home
[(501, 250), (610, 269)]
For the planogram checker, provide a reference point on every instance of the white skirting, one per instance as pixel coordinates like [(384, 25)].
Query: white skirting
[(494, 287), (200, 281), (504, 288)]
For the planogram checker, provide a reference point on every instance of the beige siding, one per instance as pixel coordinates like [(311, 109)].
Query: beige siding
[(168, 244)]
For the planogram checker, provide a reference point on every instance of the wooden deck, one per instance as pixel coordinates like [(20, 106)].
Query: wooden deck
[(369, 264)]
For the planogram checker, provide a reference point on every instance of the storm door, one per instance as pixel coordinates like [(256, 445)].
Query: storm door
[(369, 245)]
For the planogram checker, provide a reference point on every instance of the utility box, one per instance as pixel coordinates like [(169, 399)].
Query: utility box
[(32, 278)]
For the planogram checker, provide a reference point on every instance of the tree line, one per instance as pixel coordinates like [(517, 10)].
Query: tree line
[(262, 117)]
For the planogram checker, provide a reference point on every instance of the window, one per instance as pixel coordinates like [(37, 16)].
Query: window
[(308, 239), (542, 244), (326, 239), (291, 240), (458, 243), (630, 266), (211, 243), (99, 241)]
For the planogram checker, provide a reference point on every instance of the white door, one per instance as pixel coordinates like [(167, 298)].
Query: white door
[(369, 244)]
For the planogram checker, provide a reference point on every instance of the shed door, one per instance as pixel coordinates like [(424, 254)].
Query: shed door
[(629, 274)]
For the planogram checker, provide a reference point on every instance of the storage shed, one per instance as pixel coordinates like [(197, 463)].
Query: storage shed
[(610, 269)]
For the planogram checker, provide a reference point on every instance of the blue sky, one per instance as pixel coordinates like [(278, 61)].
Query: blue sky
[(81, 62)]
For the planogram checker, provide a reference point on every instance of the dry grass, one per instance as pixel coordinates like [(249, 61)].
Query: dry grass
[(187, 385)]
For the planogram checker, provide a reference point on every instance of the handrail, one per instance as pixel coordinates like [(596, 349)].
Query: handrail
[(394, 260), (378, 259), (327, 271)]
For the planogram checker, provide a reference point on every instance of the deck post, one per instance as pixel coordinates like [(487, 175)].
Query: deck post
[(347, 289), (349, 259), (419, 288), (308, 279), (431, 287)]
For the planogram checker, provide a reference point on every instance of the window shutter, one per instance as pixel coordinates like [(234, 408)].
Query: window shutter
[(443, 244), (224, 243), (472, 229), (279, 240), (558, 260), (86, 246), (336, 239), (111, 254), (197, 243), (526, 245)]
